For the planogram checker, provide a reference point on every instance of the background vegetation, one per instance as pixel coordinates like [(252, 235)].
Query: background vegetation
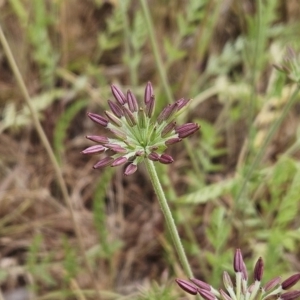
[(234, 185)]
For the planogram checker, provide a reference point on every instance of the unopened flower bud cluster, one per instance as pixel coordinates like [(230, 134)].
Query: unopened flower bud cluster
[(137, 134), (272, 290)]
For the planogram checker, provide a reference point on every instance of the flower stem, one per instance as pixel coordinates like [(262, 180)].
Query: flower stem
[(168, 216)]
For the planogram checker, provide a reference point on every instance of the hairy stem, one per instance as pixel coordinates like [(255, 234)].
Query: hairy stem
[(168, 216)]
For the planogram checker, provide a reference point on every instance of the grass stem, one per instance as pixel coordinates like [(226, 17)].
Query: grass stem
[(260, 153), (157, 56), (46, 144)]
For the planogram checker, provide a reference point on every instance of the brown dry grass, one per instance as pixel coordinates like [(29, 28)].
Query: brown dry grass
[(30, 199)]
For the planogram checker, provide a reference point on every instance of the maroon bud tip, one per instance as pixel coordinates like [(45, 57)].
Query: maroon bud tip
[(167, 129), (238, 261), (182, 103), (187, 286), (130, 169), (173, 141), (130, 118), (132, 103), (154, 156), (244, 272), (105, 162), (150, 107), (113, 119), (259, 269), (224, 295), (118, 133), (186, 129), (227, 280), (166, 159), (270, 285), (119, 161), (148, 92), (140, 153), (115, 109), (94, 149), (98, 139), (201, 284), (291, 281), (290, 295), (118, 94), (116, 148), (207, 295), (98, 119)]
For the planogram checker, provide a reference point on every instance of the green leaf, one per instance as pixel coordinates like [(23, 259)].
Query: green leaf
[(207, 193)]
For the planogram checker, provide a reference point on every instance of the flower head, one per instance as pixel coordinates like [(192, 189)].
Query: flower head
[(273, 289), (137, 134), (290, 65)]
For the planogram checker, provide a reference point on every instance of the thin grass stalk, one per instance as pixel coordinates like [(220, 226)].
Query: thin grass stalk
[(266, 142), (157, 56), (168, 217), (49, 151), (128, 52)]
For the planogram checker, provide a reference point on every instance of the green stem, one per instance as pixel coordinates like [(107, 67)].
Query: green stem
[(168, 216), (157, 56)]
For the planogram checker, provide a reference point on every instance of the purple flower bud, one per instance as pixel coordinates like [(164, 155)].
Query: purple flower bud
[(167, 113), (166, 159), (115, 109), (271, 284), (259, 269), (290, 295), (224, 295), (244, 272), (119, 161), (150, 107), (206, 294), (182, 103), (187, 286), (113, 119), (98, 119), (132, 103), (94, 149), (142, 118), (148, 92), (119, 134), (227, 280), (118, 94), (238, 261), (186, 130), (168, 128), (201, 284), (140, 153), (291, 281), (173, 141), (290, 52), (130, 118), (105, 162), (154, 156), (130, 169), (116, 148), (98, 139)]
